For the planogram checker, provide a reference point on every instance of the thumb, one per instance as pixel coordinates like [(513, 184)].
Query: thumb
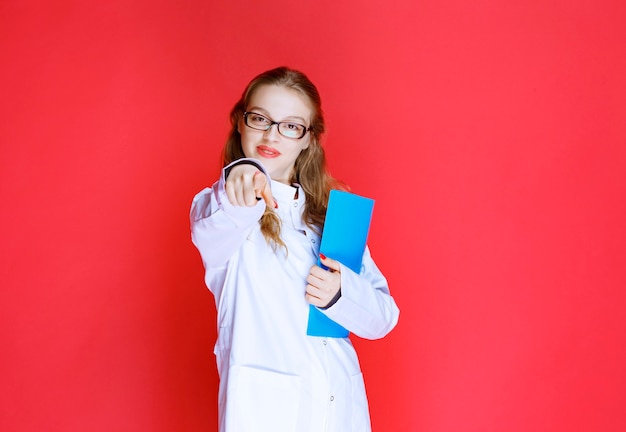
[(262, 188), (332, 264)]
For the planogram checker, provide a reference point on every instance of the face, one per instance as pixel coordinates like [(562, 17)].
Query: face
[(277, 153)]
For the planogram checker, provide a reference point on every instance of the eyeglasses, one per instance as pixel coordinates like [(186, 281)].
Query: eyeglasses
[(287, 129)]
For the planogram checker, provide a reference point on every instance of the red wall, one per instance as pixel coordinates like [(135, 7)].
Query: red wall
[(491, 134)]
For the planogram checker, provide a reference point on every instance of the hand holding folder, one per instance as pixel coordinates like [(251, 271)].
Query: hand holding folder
[(344, 239)]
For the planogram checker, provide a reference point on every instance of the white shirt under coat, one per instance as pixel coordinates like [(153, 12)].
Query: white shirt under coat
[(273, 376)]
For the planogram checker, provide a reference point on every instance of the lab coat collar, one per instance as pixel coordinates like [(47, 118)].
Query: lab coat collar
[(290, 208), (286, 194)]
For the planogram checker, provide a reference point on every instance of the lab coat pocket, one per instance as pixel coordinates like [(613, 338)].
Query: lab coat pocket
[(259, 400), (360, 410)]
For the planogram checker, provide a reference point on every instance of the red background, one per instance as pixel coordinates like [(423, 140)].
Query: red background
[(490, 133)]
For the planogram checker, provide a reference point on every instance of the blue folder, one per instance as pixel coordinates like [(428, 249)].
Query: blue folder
[(344, 239)]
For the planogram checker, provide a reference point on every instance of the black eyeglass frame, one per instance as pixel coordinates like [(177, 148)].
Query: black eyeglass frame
[(272, 123)]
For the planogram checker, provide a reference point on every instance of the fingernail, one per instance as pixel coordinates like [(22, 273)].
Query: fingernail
[(275, 204), (322, 256)]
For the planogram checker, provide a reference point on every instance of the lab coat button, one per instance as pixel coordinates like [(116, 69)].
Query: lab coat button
[(324, 341), (332, 398), (295, 204), (313, 241)]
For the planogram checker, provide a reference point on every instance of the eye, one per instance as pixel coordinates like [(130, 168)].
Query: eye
[(258, 119), (294, 127)]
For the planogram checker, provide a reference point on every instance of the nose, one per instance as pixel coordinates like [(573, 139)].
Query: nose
[(272, 133)]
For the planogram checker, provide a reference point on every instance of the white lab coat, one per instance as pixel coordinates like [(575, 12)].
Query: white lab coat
[(273, 377)]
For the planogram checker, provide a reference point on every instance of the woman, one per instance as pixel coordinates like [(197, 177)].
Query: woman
[(258, 232)]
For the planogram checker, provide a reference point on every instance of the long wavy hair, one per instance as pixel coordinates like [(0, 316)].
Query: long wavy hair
[(310, 169)]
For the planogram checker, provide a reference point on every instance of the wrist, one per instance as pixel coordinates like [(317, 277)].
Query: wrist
[(333, 300)]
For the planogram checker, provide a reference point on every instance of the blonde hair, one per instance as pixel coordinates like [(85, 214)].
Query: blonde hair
[(310, 170)]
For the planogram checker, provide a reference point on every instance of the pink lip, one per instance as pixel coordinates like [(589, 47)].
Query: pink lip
[(267, 152)]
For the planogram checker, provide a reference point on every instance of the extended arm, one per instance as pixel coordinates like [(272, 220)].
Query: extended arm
[(219, 226)]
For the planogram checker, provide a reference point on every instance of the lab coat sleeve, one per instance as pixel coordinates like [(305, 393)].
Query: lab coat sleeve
[(365, 307), (218, 228)]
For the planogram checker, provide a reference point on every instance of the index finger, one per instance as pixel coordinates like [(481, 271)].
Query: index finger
[(262, 188), (331, 264)]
